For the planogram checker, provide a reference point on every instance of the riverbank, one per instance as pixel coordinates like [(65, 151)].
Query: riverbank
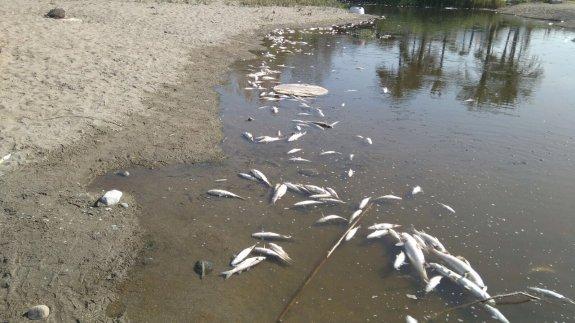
[(562, 14), (120, 85)]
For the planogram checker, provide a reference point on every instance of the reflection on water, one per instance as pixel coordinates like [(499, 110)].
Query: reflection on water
[(440, 124)]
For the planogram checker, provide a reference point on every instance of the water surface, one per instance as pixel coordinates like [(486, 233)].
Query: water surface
[(474, 107)]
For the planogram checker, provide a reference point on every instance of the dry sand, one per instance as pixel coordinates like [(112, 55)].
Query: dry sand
[(124, 84), (560, 14)]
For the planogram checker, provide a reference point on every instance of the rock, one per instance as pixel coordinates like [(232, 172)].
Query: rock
[(203, 267), (308, 172), (38, 312), (124, 205), (111, 197), (123, 173), (250, 119), (56, 13), (298, 89)]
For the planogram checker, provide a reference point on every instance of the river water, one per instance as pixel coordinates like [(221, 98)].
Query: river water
[(474, 107)]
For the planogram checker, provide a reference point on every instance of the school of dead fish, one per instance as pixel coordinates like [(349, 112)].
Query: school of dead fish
[(428, 258)]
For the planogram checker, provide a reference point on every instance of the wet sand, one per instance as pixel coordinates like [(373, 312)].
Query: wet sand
[(129, 84)]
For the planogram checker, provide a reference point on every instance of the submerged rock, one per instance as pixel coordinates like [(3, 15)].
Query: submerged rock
[(38, 312), (308, 172), (203, 268), (110, 198)]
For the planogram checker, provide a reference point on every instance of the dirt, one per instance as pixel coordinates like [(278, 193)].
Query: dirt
[(120, 88), (562, 14)]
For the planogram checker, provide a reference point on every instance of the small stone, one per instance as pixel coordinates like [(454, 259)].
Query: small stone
[(111, 197), (38, 312), (124, 205), (308, 172), (56, 13), (250, 119), (123, 173), (203, 267)]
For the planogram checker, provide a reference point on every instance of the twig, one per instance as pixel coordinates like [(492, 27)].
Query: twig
[(319, 265), (482, 301)]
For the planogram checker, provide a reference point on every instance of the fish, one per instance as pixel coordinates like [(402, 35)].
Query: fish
[(354, 215), (308, 203), (368, 140), (331, 200), (275, 110), (420, 241), (280, 191), (259, 175), (223, 193), (242, 255), (350, 173), (330, 218), (351, 233), (293, 151), (462, 281), (389, 197), (329, 152), (247, 176), (270, 236), (394, 235), (459, 266), (320, 196), (324, 124), (266, 139), (351, 157), (414, 254), (551, 293), (416, 190), (409, 319), (377, 234), (430, 240), (364, 202), (316, 189), (319, 112), (269, 253), (293, 187), (248, 263), (433, 282), (383, 226), (281, 252), (332, 192), (248, 136), (299, 159), (448, 208), (296, 136), (399, 260), (495, 313)]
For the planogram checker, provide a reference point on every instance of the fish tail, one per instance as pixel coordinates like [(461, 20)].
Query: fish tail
[(227, 274)]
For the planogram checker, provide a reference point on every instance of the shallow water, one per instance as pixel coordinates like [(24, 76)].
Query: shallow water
[(479, 112)]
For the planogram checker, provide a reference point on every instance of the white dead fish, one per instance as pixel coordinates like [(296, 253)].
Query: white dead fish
[(354, 215), (460, 266), (377, 234), (5, 158), (247, 176), (250, 262), (296, 136), (332, 192), (259, 175), (293, 151), (399, 260), (320, 196), (316, 189), (248, 136), (299, 159), (331, 218), (308, 203), (350, 173), (420, 241), (447, 207), (368, 140), (430, 240), (267, 139), (331, 200), (416, 190), (329, 152), (495, 313), (551, 293), (364, 202), (409, 319), (433, 282), (280, 251), (270, 236), (384, 226), (267, 252), (242, 255), (279, 192), (223, 193), (351, 233), (351, 157), (414, 254), (389, 197)]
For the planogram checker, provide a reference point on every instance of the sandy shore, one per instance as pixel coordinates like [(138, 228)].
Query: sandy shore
[(560, 14), (122, 84)]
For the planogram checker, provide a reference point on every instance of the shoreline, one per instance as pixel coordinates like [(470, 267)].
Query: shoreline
[(57, 249), (561, 15)]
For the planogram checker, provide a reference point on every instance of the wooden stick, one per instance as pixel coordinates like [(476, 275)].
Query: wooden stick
[(319, 265)]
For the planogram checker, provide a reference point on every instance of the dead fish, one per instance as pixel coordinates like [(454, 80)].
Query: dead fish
[(332, 192), (420, 241), (389, 197), (416, 190), (247, 176), (447, 207), (330, 218), (324, 124), (383, 226), (354, 215), (433, 282), (280, 251), (299, 159), (293, 151), (316, 189), (551, 293), (293, 187), (296, 136), (275, 110), (203, 267), (364, 202), (495, 313), (304, 114), (280, 191), (270, 236), (368, 140), (377, 234), (267, 252), (223, 193), (399, 260), (319, 112), (259, 175), (460, 266), (331, 200), (414, 254), (409, 319), (242, 255), (248, 136), (350, 173), (308, 203), (351, 157), (351, 233), (267, 139), (250, 262), (462, 281), (430, 240), (320, 196), (329, 152)]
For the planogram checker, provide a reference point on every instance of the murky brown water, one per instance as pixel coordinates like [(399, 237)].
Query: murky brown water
[(479, 112)]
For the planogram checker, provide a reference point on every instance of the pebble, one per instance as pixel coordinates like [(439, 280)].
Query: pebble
[(308, 172), (111, 197), (123, 173), (38, 312), (56, 13), (124, 205)]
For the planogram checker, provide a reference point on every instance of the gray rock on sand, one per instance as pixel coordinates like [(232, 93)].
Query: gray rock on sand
[(110, 197), (298, 89), (56, 13), (38, 312)]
